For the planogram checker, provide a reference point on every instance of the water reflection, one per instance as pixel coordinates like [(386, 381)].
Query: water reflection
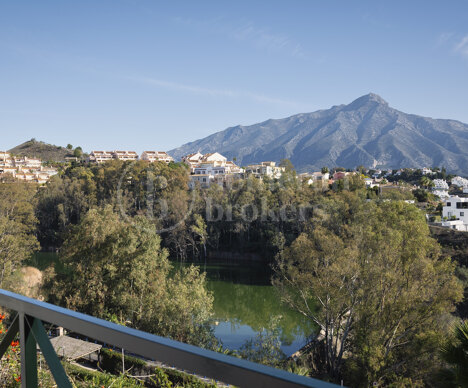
[(244, 302)]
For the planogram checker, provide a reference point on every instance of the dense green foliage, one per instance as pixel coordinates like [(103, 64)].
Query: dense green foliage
[(371, 277), (17, 230), (358, 264), (117, 270)]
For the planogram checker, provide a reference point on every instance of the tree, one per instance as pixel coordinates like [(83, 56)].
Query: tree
[(117, 268), (17, 229), (69, 147), (325, 170), (78, 152), (287, 164), (455, 354), (372, 279), (426, 182)]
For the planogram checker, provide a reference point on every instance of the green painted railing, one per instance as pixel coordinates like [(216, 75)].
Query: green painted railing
[(32, 313)]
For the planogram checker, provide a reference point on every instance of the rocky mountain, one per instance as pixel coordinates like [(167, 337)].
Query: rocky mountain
[(365, 132), (38, 149)]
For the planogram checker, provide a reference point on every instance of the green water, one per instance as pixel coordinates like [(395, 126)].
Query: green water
[(244, 303)]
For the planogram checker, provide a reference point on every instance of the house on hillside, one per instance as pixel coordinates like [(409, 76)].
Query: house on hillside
[(340, 175), (27, 162), (203, 180), (460, 181), (125, 155), (100, 156), (455, 209), (156, 156), (192, 158), (370, 183), (440, 184), (426, 171), (263, 169), (214, 157), (4, 157)]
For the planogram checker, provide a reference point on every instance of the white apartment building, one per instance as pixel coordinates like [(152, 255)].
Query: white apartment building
[(8, 170), (204, 180), (125, 155), (442, 194), (460, 182), (4, 157), (28, 162), (156, 156), (440, 184), (456, 209), (100, 156), (209, 169)]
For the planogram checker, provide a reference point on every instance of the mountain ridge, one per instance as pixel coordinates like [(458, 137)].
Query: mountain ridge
[(366, 132)]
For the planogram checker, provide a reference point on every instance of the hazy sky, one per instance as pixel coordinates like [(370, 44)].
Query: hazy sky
[(154, 75)]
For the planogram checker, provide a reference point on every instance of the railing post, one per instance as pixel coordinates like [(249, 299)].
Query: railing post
[(28, 353)]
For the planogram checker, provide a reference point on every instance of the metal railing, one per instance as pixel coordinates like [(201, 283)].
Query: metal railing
[(31, 314)]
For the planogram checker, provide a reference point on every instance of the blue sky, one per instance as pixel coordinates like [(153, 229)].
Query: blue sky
[(153, 75)]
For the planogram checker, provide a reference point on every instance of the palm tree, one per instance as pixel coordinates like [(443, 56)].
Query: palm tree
[(455, 354), (426, 182)]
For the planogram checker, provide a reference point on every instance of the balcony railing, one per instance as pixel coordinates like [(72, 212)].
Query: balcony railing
[(31, 314)]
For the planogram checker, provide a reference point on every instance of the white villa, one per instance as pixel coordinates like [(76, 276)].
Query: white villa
[(268, 169), (316, 176), (212, 168), (426, 171), (156, 156), (214, 157), (192, 159), (455, 213), (370, 183)]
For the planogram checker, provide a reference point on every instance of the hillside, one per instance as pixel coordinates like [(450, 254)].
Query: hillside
[(41, 150), (365, 132)]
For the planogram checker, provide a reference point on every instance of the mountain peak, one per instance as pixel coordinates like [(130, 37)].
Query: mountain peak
[(365, 132), (368, 98)]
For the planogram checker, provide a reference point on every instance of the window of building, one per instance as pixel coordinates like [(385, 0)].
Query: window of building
[(449, 204), (462, 205), (462, 214), (204, 179)]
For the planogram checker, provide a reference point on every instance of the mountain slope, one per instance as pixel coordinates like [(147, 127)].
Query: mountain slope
[(365, 132), (38, 149)]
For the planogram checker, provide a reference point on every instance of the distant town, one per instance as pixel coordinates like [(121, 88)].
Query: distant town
[(214, 168)]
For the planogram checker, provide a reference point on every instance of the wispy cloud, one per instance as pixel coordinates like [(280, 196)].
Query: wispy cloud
[(265, 39), (461, 47), (213, 92), (247, 31), (456, 43), (443, 38)]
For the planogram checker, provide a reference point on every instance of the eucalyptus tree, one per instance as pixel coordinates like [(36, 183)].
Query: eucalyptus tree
[(371, 278)]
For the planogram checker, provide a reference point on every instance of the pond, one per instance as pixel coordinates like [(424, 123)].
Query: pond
[(244, 304)]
